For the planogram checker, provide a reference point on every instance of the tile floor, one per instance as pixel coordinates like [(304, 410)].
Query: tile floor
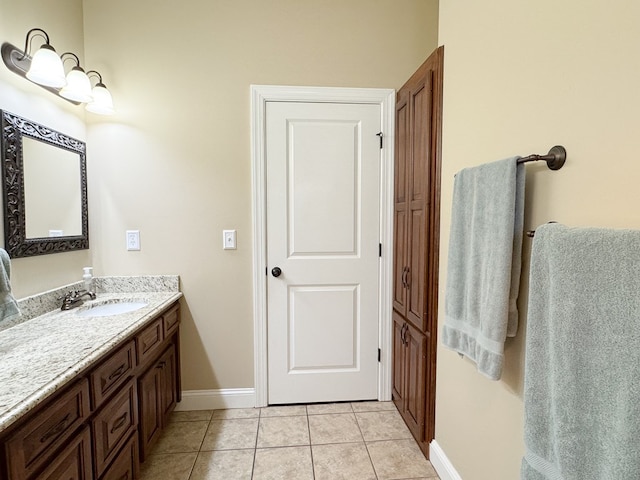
[(341, 441)]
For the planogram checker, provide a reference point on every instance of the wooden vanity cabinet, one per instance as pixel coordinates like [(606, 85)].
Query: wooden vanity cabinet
[(95, 428), (47, 430), (158, 384)]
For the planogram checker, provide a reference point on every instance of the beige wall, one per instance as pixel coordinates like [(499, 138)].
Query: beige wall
[(174, 162), (63, 21), (519, 78)]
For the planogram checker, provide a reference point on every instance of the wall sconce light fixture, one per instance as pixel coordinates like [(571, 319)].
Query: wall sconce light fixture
[(46, 69), (102, 102), (78, 87)]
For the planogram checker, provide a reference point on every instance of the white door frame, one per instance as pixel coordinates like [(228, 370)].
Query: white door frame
[(260, 94)]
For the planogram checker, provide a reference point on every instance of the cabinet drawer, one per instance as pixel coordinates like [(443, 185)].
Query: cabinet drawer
[(171, 321), (46, 431), (149, 341), (112, 373), (74, 462), (113, 425), (125, 466)]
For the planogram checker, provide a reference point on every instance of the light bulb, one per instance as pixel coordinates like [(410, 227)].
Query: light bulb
[(102, 102), (46, 68), (78, 86)]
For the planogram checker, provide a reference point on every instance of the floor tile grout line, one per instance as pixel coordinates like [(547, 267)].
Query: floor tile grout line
[(313, 466), (366, 446), (255, 445)]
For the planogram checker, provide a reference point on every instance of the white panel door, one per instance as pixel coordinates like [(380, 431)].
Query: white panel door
[(323, 181)]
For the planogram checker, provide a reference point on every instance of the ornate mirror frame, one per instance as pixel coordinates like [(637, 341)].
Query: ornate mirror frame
[(14, 128)]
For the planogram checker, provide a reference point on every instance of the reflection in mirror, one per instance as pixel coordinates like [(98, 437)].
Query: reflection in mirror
[(51, 190), (45, 189)]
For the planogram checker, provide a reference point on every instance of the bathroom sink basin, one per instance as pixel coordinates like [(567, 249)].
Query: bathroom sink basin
[(112, 308)]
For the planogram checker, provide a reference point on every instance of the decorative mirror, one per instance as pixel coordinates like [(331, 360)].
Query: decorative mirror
[(45, 189)]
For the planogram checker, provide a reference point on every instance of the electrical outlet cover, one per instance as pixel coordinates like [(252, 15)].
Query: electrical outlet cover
[(133, 239)]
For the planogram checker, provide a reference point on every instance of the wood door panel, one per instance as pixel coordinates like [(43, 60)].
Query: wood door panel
[(416, 247), (399, 353), (402, 152), (401, 204), (399, 262), (421, 100), (415, 380), (416, 300), (149, 388), (168, 372)]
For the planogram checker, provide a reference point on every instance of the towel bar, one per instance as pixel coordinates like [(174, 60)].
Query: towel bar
[(532, 233), (555, 158)]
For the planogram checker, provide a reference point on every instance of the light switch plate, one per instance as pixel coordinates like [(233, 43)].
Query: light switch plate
[(229, 239), (133, 239)]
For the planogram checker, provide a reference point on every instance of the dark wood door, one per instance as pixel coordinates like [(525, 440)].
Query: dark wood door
[(401, 201), (420, 90), (415, 370), (399, 360), (149, 391), (168, 373), (416, 235)]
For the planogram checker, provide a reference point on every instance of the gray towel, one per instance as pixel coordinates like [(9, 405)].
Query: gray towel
[(484, 262), (8, 306), (582, 365)]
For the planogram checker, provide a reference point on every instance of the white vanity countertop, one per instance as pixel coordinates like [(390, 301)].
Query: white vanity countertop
[(39, 356)]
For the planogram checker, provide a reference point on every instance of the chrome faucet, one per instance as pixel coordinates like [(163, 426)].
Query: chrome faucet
[(74, 298)]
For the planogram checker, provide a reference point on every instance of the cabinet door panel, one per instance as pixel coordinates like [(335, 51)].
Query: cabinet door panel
[(399, 350), (402, 150), (125, 466), (113, 425), (419, 202), (168, 373), (415, 378), (149, 388)]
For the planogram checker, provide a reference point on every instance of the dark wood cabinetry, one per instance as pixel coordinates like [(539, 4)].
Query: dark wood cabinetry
[(96, 427), (416, 232), (74, 462), (157, 398)]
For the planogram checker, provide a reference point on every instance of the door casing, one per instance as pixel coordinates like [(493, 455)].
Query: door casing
[(260, 94)]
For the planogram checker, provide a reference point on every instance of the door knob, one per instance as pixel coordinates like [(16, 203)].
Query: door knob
[(276, 272)]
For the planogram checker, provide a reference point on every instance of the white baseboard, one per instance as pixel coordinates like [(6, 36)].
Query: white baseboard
[(217, 399), (441, 463)]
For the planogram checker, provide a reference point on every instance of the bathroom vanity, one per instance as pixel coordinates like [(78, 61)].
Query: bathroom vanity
[(85, 397)]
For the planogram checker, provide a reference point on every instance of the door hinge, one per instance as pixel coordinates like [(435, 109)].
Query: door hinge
[(379, 354), (380, 250), (380, 135)]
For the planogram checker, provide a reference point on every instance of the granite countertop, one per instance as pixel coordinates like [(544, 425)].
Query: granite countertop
[(39, 356)]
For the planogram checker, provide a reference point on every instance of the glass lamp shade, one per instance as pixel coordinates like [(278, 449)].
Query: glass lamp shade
[(46, 68), (102, 102), (78, 87)]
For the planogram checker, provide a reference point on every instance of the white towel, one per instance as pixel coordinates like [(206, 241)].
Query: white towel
[(582, 365), (8, 305), (484, 262)]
